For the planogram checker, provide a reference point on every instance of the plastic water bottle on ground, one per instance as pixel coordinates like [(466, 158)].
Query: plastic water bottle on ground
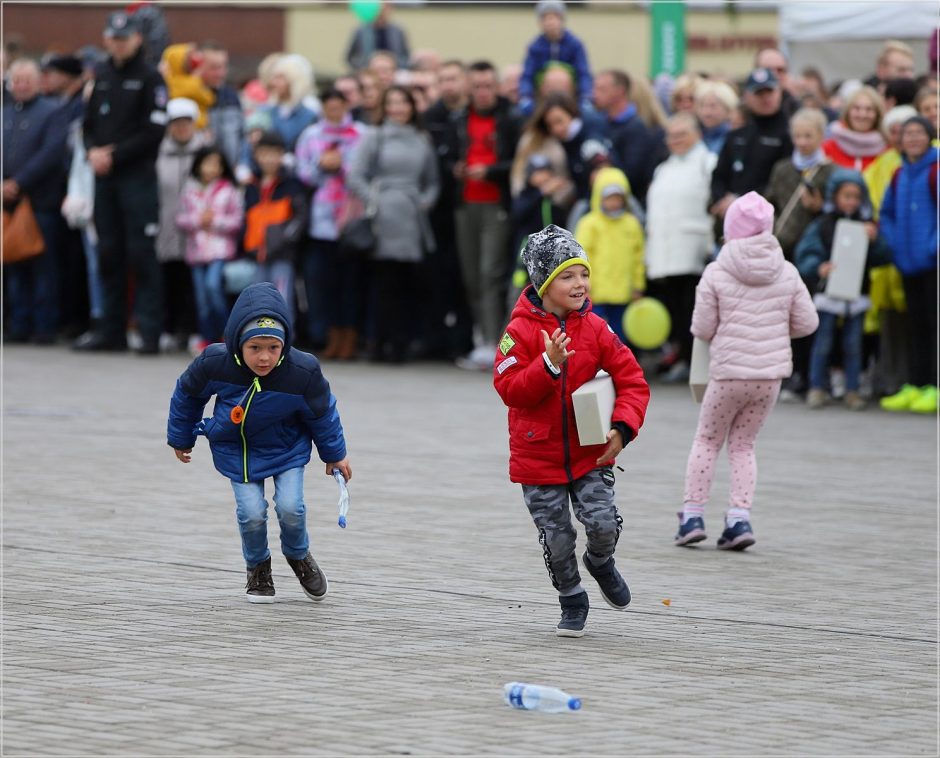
[(535, 697)]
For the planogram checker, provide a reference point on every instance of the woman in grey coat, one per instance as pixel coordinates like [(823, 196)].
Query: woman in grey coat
[(394, 170)]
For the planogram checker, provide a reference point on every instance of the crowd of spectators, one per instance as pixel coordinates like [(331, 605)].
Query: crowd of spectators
[(160, 191)]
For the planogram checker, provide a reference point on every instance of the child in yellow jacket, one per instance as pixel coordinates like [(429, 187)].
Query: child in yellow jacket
[(614, 242), (178, 65)]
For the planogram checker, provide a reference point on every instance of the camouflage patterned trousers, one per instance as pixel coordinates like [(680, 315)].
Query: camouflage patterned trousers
[(592, 497)]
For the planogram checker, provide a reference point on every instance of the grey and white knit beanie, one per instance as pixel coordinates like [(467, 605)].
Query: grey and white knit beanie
[(549, 252)]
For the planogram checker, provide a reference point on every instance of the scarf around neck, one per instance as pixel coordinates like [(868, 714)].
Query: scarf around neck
[(802, 163), (857, 144)]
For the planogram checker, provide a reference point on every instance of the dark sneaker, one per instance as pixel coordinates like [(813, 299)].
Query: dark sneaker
[(614, 589), (148, 347), (736, 537), (574, 613), (97, 342), (691, 531), (312, 579), (260, 587)]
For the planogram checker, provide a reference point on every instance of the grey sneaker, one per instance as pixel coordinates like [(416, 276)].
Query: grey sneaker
[(854, 401), (312, 579), (260, 586), (574, 612), (816, 399)]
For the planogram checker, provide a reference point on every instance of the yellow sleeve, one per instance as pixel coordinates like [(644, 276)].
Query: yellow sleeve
[(584, 233), (638, 264)]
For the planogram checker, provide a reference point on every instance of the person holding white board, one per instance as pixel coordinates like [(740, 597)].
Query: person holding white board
[(836, 251)]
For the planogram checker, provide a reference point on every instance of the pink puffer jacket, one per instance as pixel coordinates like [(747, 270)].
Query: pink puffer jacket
[(748, 304)]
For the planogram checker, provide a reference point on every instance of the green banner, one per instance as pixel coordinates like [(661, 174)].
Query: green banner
[(667, 25)]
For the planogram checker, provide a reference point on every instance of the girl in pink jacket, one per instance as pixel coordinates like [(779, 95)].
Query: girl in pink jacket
[(211, 214), (749, 304)]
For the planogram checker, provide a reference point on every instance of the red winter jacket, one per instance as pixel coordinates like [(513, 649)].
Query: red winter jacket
[(543, 439)]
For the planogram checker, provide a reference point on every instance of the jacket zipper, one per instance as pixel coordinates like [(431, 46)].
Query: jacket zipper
[(564, 413), (255, 388)]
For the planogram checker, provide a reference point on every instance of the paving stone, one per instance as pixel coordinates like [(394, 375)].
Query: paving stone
[(126, 630)]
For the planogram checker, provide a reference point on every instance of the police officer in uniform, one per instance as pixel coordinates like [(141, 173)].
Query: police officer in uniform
[(123, 127), (750, 151)]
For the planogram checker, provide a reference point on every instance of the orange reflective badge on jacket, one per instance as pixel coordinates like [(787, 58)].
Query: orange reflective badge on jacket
[(259, 217)]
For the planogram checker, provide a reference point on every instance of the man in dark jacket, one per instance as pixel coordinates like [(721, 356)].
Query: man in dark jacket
[(449, 326), (637, 149), (33, 168), (776, 62), (484, 138), (62, 76), (123, 127), (750, 152)]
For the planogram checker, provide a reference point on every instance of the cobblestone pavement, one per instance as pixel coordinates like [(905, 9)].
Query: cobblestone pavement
[(125, 629)]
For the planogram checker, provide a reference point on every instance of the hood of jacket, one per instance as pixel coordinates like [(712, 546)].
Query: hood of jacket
[(176, 57), (606, 177), (261, 299), (752, 260), (842, 176)]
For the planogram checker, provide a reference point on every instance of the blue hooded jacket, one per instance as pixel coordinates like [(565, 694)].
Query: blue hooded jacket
[(568, 50), (815, 246), (283, 411), (908, 218)]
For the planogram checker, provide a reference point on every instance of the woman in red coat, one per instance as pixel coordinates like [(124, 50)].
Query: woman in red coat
[(856, 139), (553, 345)]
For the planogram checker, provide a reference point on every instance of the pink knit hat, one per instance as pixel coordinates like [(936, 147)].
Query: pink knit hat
[(748, 216)]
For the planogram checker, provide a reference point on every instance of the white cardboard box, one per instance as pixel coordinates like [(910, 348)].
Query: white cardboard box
[(698, 369), (593, 406), (849, 251)]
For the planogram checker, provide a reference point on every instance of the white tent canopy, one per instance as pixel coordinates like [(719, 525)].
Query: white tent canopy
[(843, 39), (805, 22)]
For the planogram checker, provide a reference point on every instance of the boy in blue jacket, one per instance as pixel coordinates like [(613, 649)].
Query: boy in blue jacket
[(271, 401), (555, 43), (909, 224)]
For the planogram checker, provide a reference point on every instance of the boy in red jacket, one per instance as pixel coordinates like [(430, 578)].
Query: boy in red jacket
[(552, 346)]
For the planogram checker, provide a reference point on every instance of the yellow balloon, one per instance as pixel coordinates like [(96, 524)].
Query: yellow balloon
[(646, 323)]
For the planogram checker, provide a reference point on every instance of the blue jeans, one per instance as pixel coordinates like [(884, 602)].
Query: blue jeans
[(613, 315), (33, 285), (211, 304), (251, 510), (851, 351), (95, 290), (281, 275)]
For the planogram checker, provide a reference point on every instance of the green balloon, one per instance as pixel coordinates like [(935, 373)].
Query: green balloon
[(646, 323), (366, 11)]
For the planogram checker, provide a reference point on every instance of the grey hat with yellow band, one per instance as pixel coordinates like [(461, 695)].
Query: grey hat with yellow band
[(548, 253), (262, 326)]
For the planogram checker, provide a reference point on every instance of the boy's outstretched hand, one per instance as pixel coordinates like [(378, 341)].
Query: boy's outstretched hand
[(183, 456), (614, 446), (556, 346), (343, 466)]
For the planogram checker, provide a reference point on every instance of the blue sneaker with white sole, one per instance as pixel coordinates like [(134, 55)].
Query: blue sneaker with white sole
[(613, 588), (736, 537), (691, 531)]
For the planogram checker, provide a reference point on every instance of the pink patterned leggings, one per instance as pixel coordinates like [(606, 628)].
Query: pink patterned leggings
[(732, 409)]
